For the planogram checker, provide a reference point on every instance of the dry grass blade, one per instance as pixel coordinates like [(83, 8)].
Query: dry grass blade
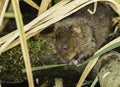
[(6, 18), (3, 7), (28, 27), (44, 6), (32, 4), (45, 84), (88, 68), (3, 39), (115, 6), (32, 23), (58, 82), (23, 41)]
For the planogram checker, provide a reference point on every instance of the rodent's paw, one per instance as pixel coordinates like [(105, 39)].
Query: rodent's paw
[(76, 60), (73, 62)]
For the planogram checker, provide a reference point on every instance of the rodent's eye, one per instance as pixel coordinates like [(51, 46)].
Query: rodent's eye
[(65, 46)]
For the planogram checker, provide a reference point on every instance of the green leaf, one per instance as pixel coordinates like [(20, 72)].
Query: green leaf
[(94, 82), (9, 15), (44, 67)]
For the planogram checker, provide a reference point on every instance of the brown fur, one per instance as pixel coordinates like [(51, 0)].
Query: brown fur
[(82, 33)]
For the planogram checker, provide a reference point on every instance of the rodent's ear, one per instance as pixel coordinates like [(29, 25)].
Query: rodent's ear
[(77, 29)]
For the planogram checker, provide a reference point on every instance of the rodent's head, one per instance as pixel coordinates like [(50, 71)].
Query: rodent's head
[(74, 37), (66, 43)]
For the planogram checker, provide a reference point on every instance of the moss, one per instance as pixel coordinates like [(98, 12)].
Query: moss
[(11, 62)]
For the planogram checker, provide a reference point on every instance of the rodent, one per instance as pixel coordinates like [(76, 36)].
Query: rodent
[(82, 33)]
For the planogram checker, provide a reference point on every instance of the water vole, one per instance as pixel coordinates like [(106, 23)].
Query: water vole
[(82, 33)]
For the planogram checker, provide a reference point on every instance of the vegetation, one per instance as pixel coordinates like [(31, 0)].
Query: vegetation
[(40, 51), (12, 63)]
